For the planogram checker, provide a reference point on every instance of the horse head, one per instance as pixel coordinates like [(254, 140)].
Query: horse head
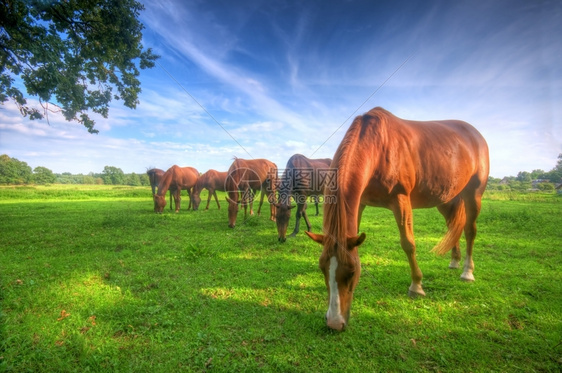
[(232, 210), (282, 217), (195, 200), (341, 270), (159, 203)]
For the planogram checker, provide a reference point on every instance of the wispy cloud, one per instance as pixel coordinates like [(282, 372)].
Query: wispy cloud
[(280, 77)]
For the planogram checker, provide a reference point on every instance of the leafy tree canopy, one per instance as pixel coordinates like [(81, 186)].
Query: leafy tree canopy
[(113, 175), (42, 175), (14, 171), (75, 55)]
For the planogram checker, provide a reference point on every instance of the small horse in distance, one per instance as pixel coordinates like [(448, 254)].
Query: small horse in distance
[(386, 161), (175, 178), (211, 180), (302, 177), (154, 176), (247, 177)]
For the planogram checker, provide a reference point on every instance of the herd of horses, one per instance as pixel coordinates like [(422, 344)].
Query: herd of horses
[(382, 161)]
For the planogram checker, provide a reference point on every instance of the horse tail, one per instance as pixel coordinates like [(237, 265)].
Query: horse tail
[(456, 221)]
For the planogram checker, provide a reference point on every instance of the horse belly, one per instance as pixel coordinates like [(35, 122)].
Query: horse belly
[(431, 195)]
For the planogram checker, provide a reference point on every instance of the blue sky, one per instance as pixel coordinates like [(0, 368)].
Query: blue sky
[(268, 79)]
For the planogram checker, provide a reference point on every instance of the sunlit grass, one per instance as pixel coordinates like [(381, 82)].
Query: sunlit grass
[(99, 282)]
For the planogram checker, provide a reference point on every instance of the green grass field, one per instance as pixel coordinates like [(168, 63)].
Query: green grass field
[(92, 280)]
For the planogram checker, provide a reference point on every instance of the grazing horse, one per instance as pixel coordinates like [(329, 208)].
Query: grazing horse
[(211, 180), (176, 178), (398, 164), (248, 177), (155, 175), (302, 177)]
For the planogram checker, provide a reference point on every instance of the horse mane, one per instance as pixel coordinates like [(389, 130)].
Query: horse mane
[(166, 181), (285, 184), (200, 183), (344, 161), (233, 176)]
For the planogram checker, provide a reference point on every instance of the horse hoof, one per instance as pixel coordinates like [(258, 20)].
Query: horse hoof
[(467, 276), (415, 291), (415, 295), (454, 264)]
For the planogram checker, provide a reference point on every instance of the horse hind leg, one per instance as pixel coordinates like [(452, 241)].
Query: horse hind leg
[(472, 206), (450, 212)]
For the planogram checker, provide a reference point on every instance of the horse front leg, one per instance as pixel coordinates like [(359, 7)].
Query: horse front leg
[(250, 197), (272, 208), (262, 195), (177, 198), (305, 216), (317, 213), (298, 214), (189, 196), (402, 210), (211, 191), (244, 203), (216, 199)]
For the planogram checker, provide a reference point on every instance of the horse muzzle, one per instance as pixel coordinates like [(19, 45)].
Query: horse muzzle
[(337, 323)]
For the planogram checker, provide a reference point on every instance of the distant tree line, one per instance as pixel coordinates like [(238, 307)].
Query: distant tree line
[(16, 172), (537, 180)]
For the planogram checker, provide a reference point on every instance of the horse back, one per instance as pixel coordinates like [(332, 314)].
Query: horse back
[(187, 177), (431, 161), (302, 174)]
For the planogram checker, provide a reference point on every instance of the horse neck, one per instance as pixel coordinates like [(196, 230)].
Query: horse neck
[(286, 187), (198, 187), (165, 183), (354, 164), (231, 184)]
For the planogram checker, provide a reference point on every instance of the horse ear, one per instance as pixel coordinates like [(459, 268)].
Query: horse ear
[(316, 237), (355, 241)]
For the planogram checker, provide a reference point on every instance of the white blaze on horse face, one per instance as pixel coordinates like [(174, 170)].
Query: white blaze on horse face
[(334, 306)]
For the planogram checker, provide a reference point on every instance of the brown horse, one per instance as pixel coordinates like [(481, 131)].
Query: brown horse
[(248, 177), (155, 175), (385, 161), (302, 177), (176, 178), (211, 180)]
